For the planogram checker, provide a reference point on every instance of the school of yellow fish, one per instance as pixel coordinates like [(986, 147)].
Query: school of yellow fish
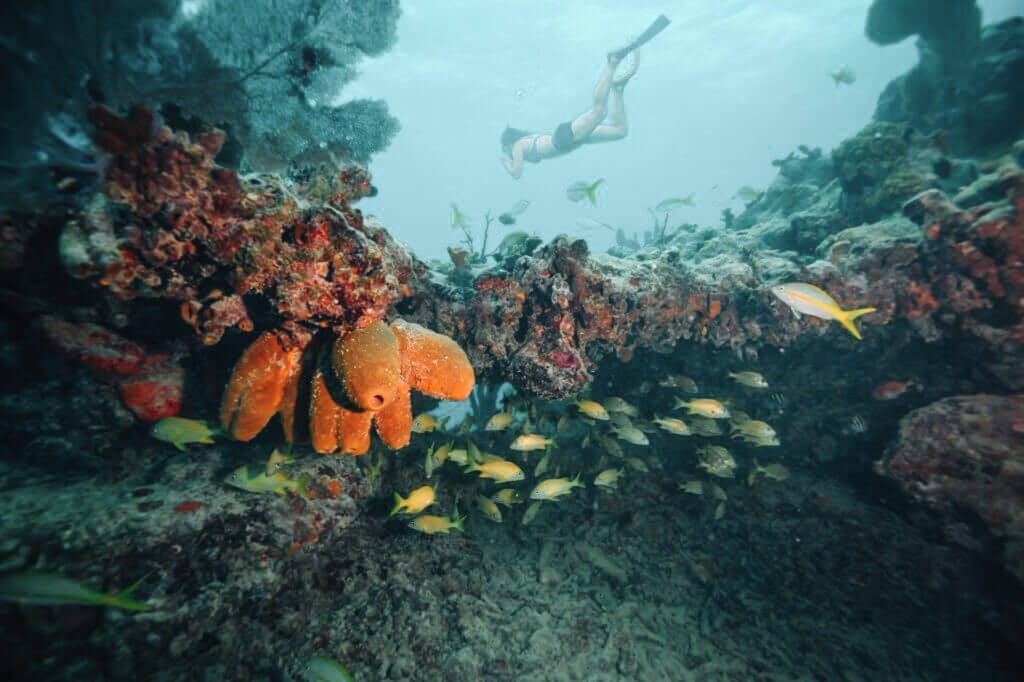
[(612, 426)]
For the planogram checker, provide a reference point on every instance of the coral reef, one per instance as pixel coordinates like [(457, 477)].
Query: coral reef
[(967, 84), (963, 457), (363, 379), (173, 225), (549, 321)]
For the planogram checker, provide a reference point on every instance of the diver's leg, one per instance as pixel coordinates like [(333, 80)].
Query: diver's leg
[(585, 123), (616, 128)]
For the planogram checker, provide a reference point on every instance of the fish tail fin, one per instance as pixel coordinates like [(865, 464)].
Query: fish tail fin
[(456, 522), (398, 505), (124, 600), (302, 485), (848, 316)]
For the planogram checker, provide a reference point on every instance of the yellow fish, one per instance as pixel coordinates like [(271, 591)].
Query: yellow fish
[(674, 426), (441, 454), (754, 429), (683, 383), (610, 445), (632, 435), (489, 508), (531, 512), (262, 483), (499, 422), (430, 462), (542, 465), (418, 500), (430, 524), (776, 472), (179, 431), (692, 487), (638, 464), (500, 470), (705, 427), (427, 423), (843, 75), (277, 460), (459, 456), (529, 442), (716, 460), (323, 669), (749, 379), (553, 488), (506, 497), (592, 409), (615, 404), (705, 407), (738, 417), (609, 478), (51, 589), (810, 300)]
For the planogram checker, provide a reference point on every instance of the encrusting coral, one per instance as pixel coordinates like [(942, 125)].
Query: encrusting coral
[(362, 380)]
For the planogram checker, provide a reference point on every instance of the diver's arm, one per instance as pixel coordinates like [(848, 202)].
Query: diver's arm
[(514, 165)]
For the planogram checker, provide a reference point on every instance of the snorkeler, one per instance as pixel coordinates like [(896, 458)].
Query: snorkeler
[(519, 146)]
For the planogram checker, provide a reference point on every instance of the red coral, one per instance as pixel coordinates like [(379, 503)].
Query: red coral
[(186, 226), (151, 386)]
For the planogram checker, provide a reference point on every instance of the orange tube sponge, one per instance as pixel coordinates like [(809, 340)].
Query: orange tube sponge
[(368, 366), (394, 422), (289, 397), (333, 428), (256, 387), (433, 363)]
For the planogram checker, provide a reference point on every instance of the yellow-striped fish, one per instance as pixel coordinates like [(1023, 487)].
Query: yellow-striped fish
[(810, 300), (499, 422), (418, 500), (488, 508), (553, 488), (506, 497), (497, 469)]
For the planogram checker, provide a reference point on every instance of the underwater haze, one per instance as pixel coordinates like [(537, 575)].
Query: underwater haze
[(732, 86), (512, 340)]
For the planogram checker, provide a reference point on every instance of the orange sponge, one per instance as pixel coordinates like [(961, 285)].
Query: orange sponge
[(333, 428), (368, 366), (433, 363), (256, 386), (394, 422)]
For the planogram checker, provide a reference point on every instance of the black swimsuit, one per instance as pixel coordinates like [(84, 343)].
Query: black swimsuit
[(563, 139)]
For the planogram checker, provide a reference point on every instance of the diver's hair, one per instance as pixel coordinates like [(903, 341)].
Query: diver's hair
[(509, 137)]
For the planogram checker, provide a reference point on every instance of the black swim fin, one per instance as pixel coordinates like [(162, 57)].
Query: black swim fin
[(654, 29)]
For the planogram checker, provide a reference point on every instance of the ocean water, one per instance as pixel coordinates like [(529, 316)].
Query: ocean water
[(512, 341)]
